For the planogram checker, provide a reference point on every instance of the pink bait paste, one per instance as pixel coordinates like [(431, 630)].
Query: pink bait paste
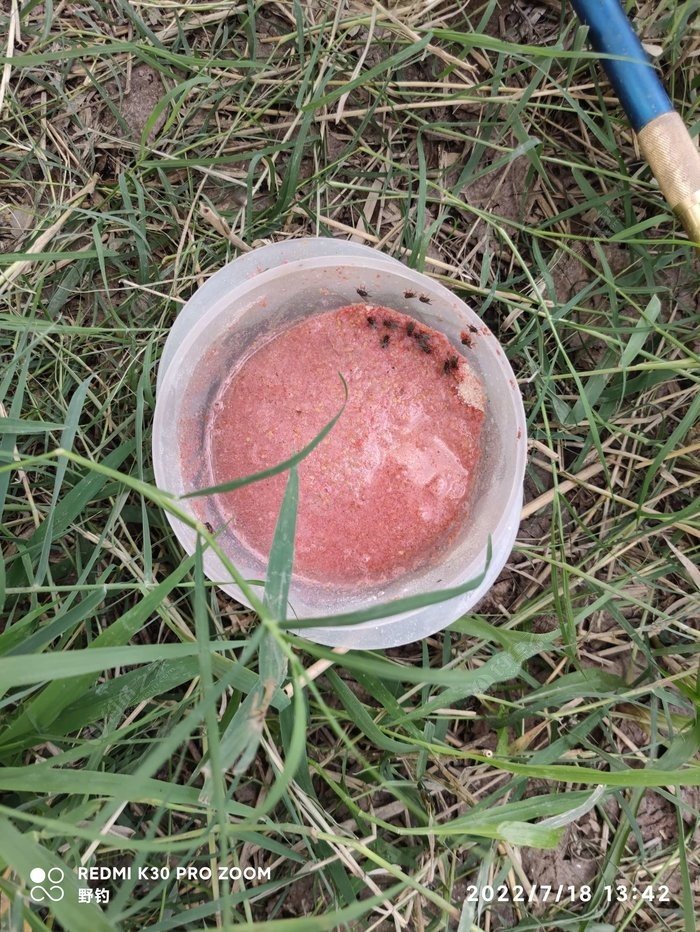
[(389, 488)]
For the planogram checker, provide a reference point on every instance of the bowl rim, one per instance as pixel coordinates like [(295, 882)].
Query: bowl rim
[(506, 526)]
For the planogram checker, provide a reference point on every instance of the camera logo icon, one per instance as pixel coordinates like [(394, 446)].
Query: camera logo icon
[(46, 885)]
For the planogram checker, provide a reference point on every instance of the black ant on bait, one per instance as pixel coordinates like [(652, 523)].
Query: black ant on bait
[(385, 341), (424, 343), (390, 324), (450, 365), (371, 321), (410, 327)]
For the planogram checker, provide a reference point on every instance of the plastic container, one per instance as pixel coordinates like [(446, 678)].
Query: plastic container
[(270, 289)]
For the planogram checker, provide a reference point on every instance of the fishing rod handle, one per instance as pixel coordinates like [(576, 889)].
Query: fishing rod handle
[(674, 158), (664, 140)]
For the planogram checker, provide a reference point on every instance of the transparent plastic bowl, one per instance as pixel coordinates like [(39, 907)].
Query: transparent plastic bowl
[(270, 289)]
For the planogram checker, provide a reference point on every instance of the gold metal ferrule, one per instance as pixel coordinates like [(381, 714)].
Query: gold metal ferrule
[(674, 158)]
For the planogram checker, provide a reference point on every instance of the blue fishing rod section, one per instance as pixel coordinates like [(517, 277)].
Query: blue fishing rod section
[(634, 79)]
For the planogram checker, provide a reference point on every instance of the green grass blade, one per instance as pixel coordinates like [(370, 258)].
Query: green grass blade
[(67, 437), (279, 564)]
